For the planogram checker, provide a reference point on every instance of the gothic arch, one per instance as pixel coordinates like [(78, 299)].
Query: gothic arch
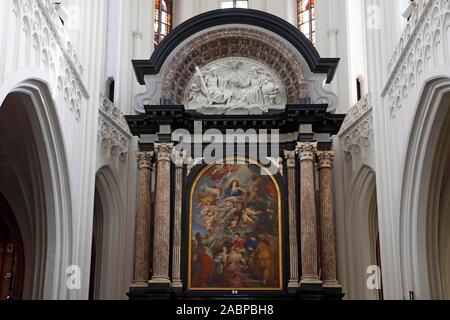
[(39, 192), (361, 232), (422, 215), (109, 208)]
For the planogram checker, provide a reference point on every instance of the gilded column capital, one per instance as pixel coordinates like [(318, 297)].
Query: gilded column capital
[(325, 159), (163, 151), (290, 158), (144, 159), (306, 150)]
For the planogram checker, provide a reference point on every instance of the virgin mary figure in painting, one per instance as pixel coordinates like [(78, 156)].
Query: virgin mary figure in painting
[(235, 217)]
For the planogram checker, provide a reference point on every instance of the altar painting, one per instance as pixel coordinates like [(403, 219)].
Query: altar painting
[(235, 229)]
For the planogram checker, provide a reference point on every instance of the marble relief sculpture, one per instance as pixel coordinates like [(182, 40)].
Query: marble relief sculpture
[(234, 86)]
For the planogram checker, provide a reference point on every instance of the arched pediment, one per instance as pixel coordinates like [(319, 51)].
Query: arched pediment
[(274, 44)]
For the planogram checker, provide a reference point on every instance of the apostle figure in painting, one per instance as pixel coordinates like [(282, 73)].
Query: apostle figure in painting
[(250, 242), (203, 264), (232, 272), (264, 255), (238, 241), (220, 260)]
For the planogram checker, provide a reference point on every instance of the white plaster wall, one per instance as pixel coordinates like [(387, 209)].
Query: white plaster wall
[(399, 59), (286, 9), (340, 33), (74, 90), (422, 54)]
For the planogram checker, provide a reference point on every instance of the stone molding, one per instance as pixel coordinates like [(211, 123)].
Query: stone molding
[(357, 131), (41, 24), (421, 48), (113, 132)]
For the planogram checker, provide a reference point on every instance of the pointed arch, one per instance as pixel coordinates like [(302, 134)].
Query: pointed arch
[(42, 181), (109, 280), (422, 215), (361, 232)]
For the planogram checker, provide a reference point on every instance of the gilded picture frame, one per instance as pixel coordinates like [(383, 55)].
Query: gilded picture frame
[(254, 258)]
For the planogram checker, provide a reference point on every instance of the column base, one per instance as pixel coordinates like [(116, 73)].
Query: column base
[(177, 287), (151, 293), (333, 293), (160, 281), (293, 286), (317, 292), (311, 290), (332, 284), (310, 281), (139, 284)]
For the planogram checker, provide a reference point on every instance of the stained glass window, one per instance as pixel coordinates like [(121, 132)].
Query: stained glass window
[(228, 4), (306, 16), (163, 19)]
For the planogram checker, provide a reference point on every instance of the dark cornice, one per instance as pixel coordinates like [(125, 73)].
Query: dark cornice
[(235, 16), (286, 121)]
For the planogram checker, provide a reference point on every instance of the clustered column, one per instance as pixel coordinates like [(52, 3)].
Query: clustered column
[(327, 232), (142, 238), (161, 252), (306, 152)]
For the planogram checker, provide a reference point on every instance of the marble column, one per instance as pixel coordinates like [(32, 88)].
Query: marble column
[(176, 255), (327, 228), (161, 242), (142, 236), (308, 220), (293, 243)]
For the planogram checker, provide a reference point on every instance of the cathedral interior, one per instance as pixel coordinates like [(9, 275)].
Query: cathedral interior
[(208, 149)]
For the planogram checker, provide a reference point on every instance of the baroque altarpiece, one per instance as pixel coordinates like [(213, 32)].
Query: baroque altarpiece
[(235, 194)]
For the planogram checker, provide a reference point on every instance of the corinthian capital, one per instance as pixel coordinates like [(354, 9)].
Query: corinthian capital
[(144, 159), (325, 159), (306, 150), (163, 151), (290, 158)]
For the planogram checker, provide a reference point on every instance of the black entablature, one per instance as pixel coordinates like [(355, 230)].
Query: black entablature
[(286, 121)]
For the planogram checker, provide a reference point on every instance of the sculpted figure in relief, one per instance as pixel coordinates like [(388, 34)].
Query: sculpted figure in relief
[(234, 87)]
